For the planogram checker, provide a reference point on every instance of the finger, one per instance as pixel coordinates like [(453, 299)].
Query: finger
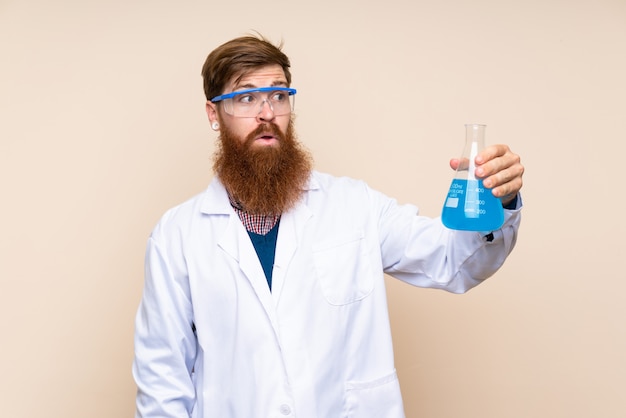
[(499, 164), (508, 190), (507, 181), (459, 163), (491, 152)]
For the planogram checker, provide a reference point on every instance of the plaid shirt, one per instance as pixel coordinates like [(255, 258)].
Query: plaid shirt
[(258, 224)]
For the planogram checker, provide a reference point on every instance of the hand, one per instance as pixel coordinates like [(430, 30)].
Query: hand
[(500, 169)]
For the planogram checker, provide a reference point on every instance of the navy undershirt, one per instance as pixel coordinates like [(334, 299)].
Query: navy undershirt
[(265, 247)]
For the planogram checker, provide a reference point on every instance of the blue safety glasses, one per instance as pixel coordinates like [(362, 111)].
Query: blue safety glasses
[(249, 103)]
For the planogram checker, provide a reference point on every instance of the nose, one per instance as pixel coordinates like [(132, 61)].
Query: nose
[(266, 113)]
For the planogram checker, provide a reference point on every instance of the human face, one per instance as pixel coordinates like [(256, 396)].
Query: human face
[(267, 76)]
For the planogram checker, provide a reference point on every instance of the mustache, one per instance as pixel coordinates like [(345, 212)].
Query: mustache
[(265, 128)]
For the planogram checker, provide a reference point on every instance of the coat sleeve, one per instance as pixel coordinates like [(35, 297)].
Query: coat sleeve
[(421, 251), (165, 342)]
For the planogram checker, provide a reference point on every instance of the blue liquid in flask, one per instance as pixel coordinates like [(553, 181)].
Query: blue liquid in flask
[(470, 206)]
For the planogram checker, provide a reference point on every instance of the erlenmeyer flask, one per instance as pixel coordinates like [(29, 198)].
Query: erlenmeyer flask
[(470, 206)]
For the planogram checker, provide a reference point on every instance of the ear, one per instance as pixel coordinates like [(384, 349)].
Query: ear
[(211, 111)]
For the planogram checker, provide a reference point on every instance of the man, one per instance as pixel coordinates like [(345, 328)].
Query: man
[(265, 296)]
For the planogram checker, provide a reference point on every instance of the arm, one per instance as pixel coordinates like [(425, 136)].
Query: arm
[(422, 252), (165, 344)]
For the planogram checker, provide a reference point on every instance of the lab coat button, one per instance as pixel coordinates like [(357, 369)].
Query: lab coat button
[(285, 410)]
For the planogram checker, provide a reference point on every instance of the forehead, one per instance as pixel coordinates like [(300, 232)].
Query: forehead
[(271, 75)]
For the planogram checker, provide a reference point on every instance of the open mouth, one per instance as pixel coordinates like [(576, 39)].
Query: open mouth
[(267, 135), (267, 138)]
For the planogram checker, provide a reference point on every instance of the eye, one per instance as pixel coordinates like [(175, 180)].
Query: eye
[(278, 96), (245, 99)]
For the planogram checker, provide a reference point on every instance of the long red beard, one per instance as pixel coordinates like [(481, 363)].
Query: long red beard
[(265, 180)]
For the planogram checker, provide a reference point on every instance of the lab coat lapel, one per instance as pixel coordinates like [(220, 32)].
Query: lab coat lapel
[(237, 244), (290, 234), (234, 240)]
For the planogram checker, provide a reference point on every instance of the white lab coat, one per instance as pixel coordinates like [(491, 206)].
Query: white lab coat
[(213, 341)]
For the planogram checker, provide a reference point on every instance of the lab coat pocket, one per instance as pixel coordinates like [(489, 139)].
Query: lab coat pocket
[(343, 268), (378, 398)]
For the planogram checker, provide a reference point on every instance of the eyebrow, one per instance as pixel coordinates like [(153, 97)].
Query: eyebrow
[(277, 83)]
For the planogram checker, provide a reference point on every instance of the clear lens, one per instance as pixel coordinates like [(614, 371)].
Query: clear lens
[(250, 104)]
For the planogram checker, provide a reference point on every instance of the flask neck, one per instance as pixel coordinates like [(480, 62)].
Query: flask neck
[(475, 133), (474, 143)]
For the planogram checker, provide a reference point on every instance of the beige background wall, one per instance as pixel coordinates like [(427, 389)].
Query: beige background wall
[(102, 129)]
